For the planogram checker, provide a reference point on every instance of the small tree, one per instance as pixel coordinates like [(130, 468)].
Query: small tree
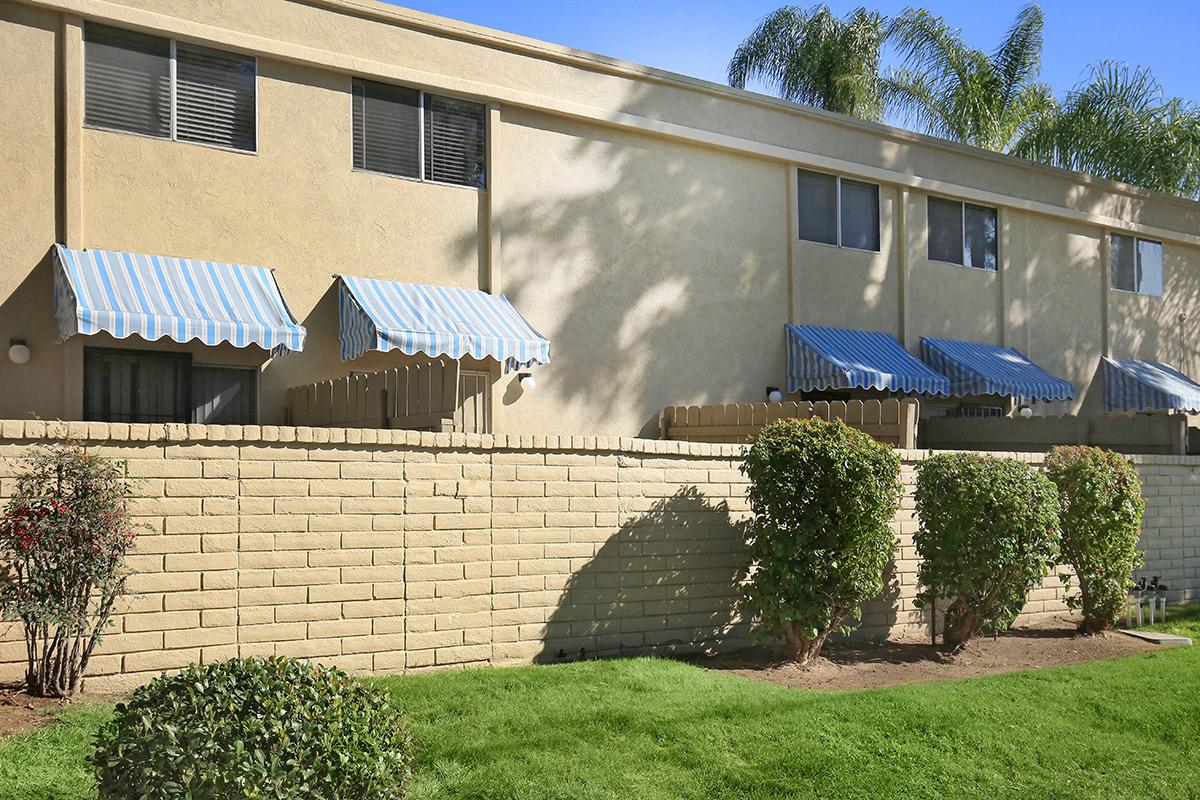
[(1100, 511), (823, 496), (988, 534), (63, 538)]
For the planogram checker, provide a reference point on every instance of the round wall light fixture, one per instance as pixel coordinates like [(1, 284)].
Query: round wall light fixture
[(774, 395), (527, 381), (18, 351), (1025, 411)]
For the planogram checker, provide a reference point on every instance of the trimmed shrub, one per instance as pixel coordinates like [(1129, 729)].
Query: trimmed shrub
[(64, 536), (1100, 509), (823, 496), (265, 728), (988, 534)]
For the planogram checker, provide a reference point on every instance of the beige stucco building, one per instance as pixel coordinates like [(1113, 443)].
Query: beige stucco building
[(647, 224)]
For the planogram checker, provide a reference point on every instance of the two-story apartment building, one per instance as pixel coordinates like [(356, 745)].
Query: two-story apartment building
[(205, 203)]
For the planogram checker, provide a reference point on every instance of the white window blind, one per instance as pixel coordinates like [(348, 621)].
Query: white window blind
[(860, 215), (214, 97), (145, 84), (1135, 264), (127, 81), (387, 128), (454, 141)]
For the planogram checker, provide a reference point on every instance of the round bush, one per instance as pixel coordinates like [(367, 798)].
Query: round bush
[(255, 728), (823, 496), (1100, 509), (988, 534)]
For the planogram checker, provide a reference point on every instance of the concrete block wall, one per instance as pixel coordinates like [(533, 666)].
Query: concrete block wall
[(385, 551)]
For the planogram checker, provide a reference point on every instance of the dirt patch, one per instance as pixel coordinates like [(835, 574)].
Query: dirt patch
[(854, 665), (19, 712)]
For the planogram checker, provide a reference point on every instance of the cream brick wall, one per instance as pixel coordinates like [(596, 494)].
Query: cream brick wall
[(384, 551)]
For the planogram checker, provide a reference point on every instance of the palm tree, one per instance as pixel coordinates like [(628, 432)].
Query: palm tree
[(811, 56), (954, 91), (1118, 124)]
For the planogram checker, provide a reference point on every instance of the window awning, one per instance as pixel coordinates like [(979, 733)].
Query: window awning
[(435, 320), (182, 299), (841, 358), (977, 368), (1131, 385)]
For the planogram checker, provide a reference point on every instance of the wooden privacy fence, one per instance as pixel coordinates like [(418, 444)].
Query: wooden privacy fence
[(414, 397), (892, 421), (1147, 434)]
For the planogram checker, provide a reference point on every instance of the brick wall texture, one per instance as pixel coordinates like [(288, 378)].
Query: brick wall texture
[(385, 551)]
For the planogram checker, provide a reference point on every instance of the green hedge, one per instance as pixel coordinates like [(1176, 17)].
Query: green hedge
[(823, 496), (988, 534), (255, 728), (1100, 512)]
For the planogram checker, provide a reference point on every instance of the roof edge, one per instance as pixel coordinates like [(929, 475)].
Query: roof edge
[(493, 37)]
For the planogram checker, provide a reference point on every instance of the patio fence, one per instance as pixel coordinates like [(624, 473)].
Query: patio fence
[(1148, 434), (892, 421), (418, 397)]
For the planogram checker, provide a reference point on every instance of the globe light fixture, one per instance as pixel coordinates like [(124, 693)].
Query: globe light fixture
[(774, 395), (18, 351), (527, 381)]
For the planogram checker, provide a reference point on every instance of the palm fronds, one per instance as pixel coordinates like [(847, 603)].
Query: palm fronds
[(811, 56)]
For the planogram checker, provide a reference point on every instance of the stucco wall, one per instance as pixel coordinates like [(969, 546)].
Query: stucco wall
[(384, 551), (28, 202), (661, 262)]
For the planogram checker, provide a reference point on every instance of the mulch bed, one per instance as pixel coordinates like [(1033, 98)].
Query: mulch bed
[(860, 665)]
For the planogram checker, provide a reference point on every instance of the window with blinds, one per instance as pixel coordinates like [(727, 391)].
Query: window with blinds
[(837, 211), (127, 81), (214, 97), (387, 128), (454, 141), (128, 87), (406, 132)]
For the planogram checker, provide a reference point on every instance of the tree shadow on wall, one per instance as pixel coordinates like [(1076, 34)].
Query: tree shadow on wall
[(665, 583), (658, 273)]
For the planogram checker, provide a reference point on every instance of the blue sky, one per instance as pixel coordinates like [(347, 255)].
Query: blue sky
[(697, 37)]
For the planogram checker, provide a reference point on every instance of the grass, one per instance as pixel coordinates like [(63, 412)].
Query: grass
[(1181, 620), (50, 762), (649, 728)]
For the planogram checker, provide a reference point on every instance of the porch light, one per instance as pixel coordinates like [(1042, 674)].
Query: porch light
[(18, 351), (527, 381), (1025, 411), (774, 395)]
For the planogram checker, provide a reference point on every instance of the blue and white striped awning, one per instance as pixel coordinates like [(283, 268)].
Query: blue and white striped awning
[(435, 320), (1131, 385), (841, 358), (179, 298), (977, 368)]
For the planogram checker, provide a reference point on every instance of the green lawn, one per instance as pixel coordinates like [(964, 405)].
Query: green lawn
[(658, 729), (1181, 620)]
